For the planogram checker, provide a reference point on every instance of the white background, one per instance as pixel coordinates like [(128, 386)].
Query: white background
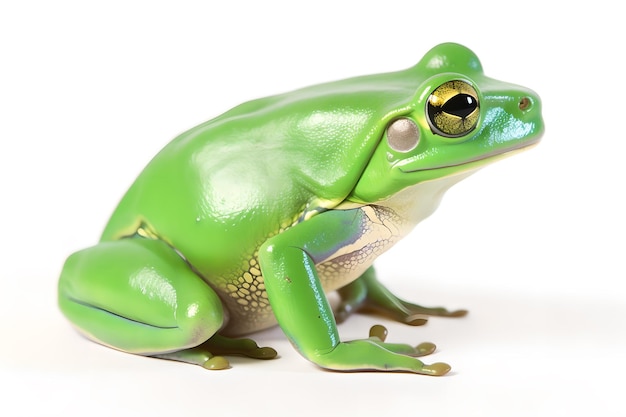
[(533, 246)]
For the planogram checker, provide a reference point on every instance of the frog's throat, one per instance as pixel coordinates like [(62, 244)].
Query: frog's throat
[(418, 201)]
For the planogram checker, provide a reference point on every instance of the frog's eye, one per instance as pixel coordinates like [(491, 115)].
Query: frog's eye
[(453, 109), (403, 135)]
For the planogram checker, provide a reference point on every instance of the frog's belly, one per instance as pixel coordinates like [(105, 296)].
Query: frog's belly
[(380, 228), (246, 299)]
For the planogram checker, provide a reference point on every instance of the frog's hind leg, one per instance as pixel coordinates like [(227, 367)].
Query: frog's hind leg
[(139, 296)]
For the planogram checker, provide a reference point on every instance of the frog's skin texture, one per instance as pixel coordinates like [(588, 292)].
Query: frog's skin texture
[(249, 219)]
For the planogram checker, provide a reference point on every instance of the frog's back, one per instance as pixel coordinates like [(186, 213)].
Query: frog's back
[(219, 190)]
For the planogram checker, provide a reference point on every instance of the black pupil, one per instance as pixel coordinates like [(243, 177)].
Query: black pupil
[(461, 105)]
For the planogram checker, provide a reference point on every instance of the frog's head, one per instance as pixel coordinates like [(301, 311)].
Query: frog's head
[(457, 121)]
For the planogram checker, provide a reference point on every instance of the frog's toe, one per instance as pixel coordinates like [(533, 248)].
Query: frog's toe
[(421, 313), (436, 369), (416, 320), (425, 348), (457, 313), (379, 331), (216, 363), (262, 353)]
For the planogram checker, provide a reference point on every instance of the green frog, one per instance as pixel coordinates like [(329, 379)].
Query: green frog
[(250, 219)]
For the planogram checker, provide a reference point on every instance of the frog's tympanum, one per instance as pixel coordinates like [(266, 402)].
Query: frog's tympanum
[(250, 219)]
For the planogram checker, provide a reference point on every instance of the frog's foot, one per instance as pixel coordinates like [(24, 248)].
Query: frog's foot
[(197, 356), (222, 345), (208, 354), (375, 354)]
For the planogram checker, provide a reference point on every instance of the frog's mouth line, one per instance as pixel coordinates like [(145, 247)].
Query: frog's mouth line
[(483, 158)]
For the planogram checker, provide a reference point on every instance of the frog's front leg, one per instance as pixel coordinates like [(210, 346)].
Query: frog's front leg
[(302, 309), (367, 294)]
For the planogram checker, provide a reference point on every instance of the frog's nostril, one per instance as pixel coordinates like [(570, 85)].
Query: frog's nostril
[(525, 103)]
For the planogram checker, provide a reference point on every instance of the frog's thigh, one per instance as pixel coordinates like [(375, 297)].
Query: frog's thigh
[(138, 295)]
